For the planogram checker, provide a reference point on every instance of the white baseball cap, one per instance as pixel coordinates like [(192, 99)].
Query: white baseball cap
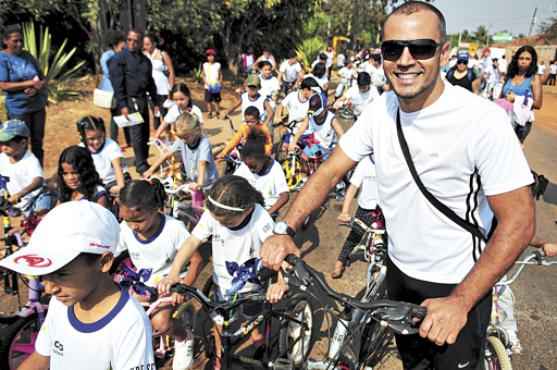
[(65, 232)]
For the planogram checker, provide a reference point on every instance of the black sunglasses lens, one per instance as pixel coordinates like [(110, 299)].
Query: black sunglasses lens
[(423, 51), (420, 49), (391, 50)]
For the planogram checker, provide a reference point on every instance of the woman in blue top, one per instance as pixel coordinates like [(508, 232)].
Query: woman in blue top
[(522, 80), (25, 87), (116, 42)]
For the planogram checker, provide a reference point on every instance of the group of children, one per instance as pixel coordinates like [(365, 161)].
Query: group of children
[(239, 216)]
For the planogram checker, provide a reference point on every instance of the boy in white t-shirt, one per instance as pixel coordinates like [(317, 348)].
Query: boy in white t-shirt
[(270, 85), (290, 72), (363, 179), (22, 169), (297, 102), (212, 80), (91, 324), (263, 173)]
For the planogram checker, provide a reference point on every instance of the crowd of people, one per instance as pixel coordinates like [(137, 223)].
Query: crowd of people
[(457, 216)]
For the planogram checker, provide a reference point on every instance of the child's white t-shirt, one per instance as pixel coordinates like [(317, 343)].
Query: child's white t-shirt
[(121, 340), (297, 110), (156, 253), (271, 184), (103, 160), (174, 112), (364, 179), (269, 86), (234, 245), (290, 71), (21, 174), (212, 71)]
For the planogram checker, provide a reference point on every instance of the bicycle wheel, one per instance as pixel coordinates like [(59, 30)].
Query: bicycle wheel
[(17, 341), (496, 355), (297, 337)]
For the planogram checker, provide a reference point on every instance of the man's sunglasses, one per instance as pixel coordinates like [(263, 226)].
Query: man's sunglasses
[(420, 49)]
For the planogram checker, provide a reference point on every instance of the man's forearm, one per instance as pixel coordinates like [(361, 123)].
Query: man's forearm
[(506, 245)]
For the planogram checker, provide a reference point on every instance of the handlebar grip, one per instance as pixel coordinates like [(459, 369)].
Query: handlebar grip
[(292, 259), (264, 275)]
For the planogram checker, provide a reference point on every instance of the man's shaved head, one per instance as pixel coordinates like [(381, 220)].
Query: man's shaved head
[(412, 7)]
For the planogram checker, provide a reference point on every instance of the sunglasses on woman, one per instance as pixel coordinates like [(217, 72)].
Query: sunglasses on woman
[(420, 49)]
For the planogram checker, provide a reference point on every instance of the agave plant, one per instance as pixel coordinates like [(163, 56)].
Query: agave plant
[(56, 69), (309, 50)]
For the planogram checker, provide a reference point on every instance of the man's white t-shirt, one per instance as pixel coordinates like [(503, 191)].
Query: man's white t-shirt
[(271, 184), (21, 174), (290, 71), (553, 69), (234, 245), (212, 72), (361, 100), (269, 86), (454, 142), (121, 340), (174, 112), (156, 253), (364, 179), (541, 69), (503, 65), (297, 109), (103, 160)]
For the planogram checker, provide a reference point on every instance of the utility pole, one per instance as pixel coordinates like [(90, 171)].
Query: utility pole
[(533, 22)]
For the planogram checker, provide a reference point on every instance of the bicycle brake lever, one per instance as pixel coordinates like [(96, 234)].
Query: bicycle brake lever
[(402, 318)]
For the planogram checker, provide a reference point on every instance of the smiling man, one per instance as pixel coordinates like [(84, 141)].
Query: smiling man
[(463, 155)]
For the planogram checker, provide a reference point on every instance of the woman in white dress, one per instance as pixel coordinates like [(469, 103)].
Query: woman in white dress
[(163, 74)]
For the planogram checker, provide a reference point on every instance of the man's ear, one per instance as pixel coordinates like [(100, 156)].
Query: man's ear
[(445, 49), (106, 261)]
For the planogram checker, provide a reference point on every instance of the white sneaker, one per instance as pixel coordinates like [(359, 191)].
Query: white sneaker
[(183, 354)]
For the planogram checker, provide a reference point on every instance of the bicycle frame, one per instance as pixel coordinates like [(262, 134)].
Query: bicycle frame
[(221, 313), (371, 249)]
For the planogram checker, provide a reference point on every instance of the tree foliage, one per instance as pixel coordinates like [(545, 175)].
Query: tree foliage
[(549, 29)]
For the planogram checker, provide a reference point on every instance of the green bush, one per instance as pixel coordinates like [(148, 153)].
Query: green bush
[(308, 51), (56, 69)]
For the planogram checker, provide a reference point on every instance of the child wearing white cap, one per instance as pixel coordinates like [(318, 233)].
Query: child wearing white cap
[(91, 324)]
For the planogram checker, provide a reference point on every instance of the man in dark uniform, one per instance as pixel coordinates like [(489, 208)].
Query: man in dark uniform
[(131, 78)]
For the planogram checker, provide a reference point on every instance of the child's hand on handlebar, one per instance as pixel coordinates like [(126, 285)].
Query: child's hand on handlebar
[(550, 249), (276, 292), (165, 284)]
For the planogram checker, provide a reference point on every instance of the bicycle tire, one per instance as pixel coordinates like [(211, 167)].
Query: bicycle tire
[(8, 335), (302, 309), (497, 357)]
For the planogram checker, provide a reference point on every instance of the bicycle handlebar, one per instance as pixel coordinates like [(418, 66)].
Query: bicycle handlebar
[(401, 317), (535, 258)]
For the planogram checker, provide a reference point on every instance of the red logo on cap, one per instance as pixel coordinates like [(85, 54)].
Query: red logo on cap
[(32, 260)]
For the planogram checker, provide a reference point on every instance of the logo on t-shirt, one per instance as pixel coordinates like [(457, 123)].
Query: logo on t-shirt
[(58, 348), (33, 260)]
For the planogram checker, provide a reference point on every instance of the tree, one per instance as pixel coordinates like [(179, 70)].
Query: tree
[(482, 35), (549, 29)]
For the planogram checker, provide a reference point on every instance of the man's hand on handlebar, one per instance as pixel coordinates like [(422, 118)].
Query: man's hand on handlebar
[(275, 249), (445, 319)]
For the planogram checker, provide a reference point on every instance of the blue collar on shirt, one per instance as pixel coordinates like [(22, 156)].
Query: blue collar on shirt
[(155, 235), (98, 325)]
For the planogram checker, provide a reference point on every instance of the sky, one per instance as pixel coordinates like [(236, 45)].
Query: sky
[(498, 15)]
